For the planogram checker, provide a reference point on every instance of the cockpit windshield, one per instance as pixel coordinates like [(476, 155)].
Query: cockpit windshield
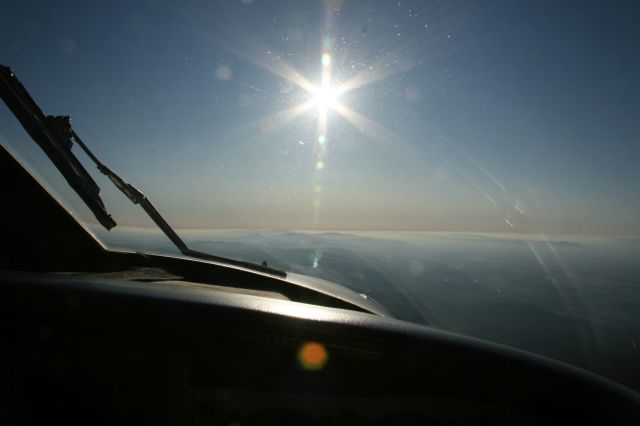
[(469, 165)]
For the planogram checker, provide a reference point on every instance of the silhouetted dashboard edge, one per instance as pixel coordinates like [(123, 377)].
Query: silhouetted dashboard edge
[(40, 234), (153, 352)]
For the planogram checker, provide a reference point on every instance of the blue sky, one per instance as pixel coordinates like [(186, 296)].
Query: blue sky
[(485, 116)]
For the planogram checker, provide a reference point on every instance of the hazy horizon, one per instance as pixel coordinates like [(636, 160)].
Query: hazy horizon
[(505, 233)]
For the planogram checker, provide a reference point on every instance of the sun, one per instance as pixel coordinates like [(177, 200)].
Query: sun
[(325, 97)]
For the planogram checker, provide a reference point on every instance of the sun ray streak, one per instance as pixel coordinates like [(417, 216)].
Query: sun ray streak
[(286, 71), (471, 182), (270, 122), (573, 302), (401, 60), (265, 58), (484, 171), (366, 126), (373, 75), (282, 117)]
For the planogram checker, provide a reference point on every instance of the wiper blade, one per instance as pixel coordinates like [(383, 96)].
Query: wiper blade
[(56, 137), (45, 131)]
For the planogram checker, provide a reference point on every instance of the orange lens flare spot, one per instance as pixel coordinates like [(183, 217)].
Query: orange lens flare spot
[(313, 356)]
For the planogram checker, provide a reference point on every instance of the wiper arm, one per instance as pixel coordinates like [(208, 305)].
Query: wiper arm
[(56, 137), (137, 197)]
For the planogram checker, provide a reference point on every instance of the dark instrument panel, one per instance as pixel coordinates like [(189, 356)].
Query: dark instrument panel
[(80, 350)]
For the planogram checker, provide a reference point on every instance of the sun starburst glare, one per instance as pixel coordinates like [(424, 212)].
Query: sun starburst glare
[(324, 99)]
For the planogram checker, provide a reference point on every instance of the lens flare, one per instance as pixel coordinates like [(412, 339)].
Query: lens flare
[(326, 59), (313, 356)]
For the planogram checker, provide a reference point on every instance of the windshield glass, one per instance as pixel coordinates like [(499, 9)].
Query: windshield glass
[(468, 165)]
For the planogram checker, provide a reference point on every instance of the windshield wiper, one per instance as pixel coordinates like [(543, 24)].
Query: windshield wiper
[(44, 132), (56, 137)]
